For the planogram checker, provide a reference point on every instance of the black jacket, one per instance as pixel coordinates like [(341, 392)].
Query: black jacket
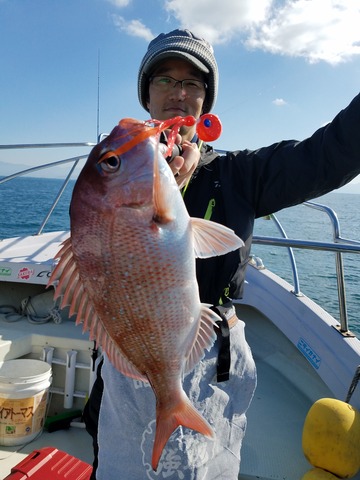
[(236, 188)]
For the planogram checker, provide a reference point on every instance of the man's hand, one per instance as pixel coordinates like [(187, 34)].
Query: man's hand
[(184, 166)]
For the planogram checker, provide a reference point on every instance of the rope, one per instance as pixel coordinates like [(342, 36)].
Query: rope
[(353, 385), (37, 310)]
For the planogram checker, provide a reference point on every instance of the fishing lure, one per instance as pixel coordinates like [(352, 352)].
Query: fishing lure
[(208, 128)]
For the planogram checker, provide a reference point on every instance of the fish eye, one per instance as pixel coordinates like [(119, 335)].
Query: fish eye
[(110, 163)]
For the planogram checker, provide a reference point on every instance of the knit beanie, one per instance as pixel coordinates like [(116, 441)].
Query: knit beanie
[(185, 45)]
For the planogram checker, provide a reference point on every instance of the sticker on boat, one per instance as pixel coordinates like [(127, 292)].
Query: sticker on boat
[(309, 353)]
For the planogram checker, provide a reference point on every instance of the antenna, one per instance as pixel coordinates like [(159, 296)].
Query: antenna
[(98, 101)]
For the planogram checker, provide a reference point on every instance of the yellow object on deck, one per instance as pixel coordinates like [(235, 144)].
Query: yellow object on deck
[(331, 437), (319, 474)]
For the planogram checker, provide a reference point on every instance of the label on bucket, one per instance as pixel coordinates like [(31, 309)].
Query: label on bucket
[(22, 417)]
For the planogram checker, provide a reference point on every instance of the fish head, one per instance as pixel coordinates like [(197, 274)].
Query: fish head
[(119, 172)]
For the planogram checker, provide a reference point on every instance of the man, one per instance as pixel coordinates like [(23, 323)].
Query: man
[(178, 76)]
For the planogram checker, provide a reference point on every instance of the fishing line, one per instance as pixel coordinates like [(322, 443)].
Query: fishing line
[(98, 99)]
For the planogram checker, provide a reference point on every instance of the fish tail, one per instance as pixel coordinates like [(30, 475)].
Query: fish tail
[(167, 421)]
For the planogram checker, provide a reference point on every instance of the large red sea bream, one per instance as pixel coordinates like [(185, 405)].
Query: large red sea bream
[(128, 269)]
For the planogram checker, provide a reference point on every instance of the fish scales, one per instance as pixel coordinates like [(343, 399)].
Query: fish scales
[(128, 270)]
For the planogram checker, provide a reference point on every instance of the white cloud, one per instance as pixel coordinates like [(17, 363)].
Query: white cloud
[(327, 30), (279, 102), (134, 28), (216, 21), (316, 30)]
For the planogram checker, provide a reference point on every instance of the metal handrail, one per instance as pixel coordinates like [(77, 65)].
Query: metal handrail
[(57, 198), (18, 146), (339, 265), (72, 160), (352, 247), (290, 252), (340, 246), (42, 167)]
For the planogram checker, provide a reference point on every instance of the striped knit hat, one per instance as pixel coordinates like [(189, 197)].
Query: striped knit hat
[(185, 45)]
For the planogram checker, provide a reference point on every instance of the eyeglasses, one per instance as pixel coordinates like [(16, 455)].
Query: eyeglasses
[(164, 83)]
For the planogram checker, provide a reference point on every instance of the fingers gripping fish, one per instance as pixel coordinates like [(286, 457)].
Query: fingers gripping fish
[(128, 269)]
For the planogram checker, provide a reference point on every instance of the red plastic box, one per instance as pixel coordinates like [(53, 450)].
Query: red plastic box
[(50, 464)]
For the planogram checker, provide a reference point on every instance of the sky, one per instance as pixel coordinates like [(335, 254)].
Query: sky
[(287, 67)]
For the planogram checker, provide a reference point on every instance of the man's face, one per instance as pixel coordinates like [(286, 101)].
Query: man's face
[(176, 101)]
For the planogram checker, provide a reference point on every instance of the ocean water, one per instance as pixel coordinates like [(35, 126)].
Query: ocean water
[(25, 202)]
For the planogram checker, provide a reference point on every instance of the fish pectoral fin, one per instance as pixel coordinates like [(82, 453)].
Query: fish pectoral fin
[(205, 337), (212, 239)]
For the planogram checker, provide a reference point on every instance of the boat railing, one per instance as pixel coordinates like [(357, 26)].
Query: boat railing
[(73, 161), (339, 245)]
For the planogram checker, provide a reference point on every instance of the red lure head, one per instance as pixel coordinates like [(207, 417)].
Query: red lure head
[(208, 127)]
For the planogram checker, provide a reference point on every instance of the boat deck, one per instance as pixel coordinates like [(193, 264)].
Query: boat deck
[(277, 405), (278, 410)]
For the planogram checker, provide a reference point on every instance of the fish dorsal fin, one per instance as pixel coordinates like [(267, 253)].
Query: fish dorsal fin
[(67, 283), (212, 239), (205, 337)]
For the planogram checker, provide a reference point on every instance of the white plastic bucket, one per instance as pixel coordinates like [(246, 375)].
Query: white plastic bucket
[(24, 387)]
